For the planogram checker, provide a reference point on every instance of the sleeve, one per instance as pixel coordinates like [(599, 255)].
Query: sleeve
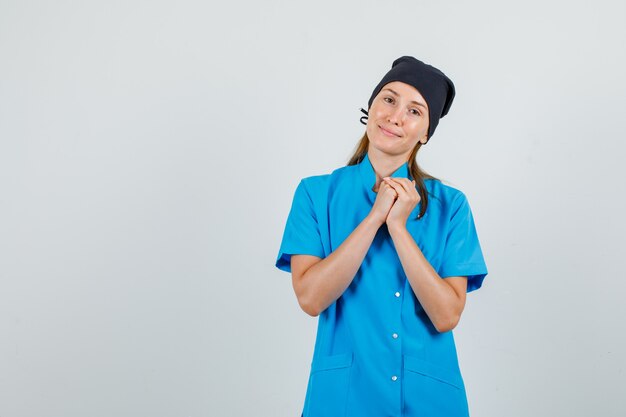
[(301, 235), (462, 255)]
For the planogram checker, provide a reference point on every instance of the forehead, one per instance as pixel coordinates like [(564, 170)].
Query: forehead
[(405, 90)]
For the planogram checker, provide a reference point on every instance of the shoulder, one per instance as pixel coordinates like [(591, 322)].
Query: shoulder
[(446, 197), (312, 189), (320, 183), (443, 191), (314, 184)]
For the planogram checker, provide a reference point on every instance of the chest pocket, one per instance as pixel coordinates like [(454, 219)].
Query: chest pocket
[(328, 386)]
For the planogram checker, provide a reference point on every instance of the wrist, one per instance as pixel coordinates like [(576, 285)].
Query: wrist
[(396, 228), (372, 220)]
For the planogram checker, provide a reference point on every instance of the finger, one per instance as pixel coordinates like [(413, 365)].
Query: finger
[(385, 186), (389, 183), (399, 185), (407, 185)]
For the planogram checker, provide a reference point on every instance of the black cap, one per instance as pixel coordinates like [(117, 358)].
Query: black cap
[(436, 88)]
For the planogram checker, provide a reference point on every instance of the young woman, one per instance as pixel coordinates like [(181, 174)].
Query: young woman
[(384, 255)]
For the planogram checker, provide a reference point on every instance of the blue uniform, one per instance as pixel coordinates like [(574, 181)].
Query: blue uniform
[(376, 351)]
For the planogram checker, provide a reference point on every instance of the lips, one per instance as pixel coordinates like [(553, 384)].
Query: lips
[(389, 132)]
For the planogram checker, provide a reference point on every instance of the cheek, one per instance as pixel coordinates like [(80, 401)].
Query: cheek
[(373, 119), (424, 126), (417, 127), (370, 125), (377, 110)]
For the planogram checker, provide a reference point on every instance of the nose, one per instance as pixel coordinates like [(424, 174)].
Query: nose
[(396, 116)]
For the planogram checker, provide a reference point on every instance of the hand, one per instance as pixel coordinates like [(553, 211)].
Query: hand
[(384, 200), (407, 199)]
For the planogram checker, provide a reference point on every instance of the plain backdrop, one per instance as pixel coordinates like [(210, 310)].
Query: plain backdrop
[(149, 151)]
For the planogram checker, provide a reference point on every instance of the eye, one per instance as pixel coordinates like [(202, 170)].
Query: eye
[(385, 99), (416, 112)]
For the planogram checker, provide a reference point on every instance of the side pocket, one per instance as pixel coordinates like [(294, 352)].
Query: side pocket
[(430, 390), (328, 390), (431, 370)]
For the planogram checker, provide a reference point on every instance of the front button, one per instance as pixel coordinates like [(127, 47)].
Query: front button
[(393, 378), (397, 294), (395, 335)]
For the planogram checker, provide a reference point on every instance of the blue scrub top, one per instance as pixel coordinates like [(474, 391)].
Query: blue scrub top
[(376, 351)]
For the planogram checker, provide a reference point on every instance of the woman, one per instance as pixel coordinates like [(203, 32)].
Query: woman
[(384, 254)]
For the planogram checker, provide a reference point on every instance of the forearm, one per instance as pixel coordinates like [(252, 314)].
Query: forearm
[(325, 281), (439, 300)]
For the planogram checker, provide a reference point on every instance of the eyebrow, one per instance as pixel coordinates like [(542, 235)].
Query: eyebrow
[(389, 89)]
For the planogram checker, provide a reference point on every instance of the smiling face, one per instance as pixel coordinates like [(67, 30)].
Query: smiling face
[(398, 118)]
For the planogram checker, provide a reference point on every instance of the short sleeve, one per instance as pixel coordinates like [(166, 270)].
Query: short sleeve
[(301, 235), (462, 255)]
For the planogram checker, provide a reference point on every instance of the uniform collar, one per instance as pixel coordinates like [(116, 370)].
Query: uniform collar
[(368, 175)]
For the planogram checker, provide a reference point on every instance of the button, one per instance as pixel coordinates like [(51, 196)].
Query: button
[(393, 378), (397, 294), (395, 335)]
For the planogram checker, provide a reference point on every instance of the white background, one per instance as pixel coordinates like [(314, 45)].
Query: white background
[(149, 152)]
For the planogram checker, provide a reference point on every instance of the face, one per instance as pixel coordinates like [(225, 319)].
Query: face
[(397, 118)]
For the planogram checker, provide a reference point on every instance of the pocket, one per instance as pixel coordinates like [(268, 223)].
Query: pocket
[(422, 367), (431, 390), (328, 389)]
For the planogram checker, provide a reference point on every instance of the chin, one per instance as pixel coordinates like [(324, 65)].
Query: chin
[(384, 146)]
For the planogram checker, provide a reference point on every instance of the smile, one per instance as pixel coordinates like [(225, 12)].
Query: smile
[(388, 133)]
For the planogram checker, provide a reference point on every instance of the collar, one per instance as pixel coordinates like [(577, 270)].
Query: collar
[(368, 176)]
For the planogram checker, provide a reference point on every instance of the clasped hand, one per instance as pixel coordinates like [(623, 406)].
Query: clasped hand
[(396, 199)]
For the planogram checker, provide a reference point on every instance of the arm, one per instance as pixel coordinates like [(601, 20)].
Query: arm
[(442, 299), (319, 282)]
